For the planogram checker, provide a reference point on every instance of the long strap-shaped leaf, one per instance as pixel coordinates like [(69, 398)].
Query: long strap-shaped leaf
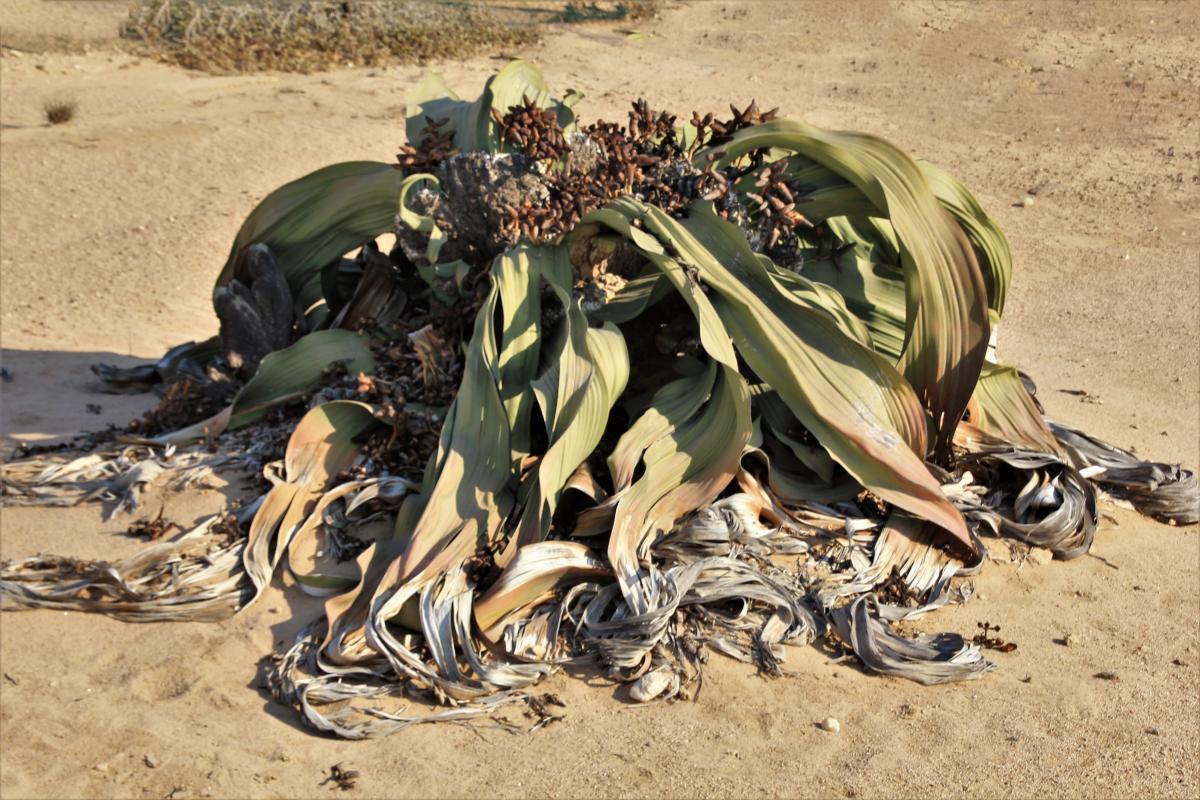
[(536, 571), (856, 404), (686, 467), (518, 273), (990, 243), (282, 377), (315, 219), (947, 303), (322, 445), (868, 278), (1001, 410), (475, 465), (577, 393)]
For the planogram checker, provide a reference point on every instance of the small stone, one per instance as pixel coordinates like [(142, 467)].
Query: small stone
[(980, 596), (101, 767), (654, 684), (1072, 640), (1152, 731), (1027, 201), (1107, 676), (1040, 556), (150, 761), (830, 724)]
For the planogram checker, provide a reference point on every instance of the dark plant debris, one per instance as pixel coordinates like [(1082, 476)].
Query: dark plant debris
[(183, 403), (992, 642), (539, 709), (152, 529), (60, 112), (343, 776)]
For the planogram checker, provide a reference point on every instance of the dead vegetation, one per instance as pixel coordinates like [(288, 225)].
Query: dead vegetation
[(229, 36), (60, 112), (316, 35)]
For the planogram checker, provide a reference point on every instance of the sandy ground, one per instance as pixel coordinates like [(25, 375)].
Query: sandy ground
[(112, 228)]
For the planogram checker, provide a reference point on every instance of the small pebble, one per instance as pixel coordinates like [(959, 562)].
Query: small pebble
[(1072, 640), (1027, 202), (830, 724), (150, 761), (101, 767), (1107, 676), (1152, 731), (652, 685)]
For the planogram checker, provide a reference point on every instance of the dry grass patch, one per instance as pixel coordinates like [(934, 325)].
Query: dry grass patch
[(316, 34)]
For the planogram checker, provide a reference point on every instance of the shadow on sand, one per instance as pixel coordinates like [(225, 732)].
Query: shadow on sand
[(49, 395)]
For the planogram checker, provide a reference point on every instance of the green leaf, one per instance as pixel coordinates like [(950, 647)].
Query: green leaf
[(779, 420), (283, 376), (314, 220), (872, 290), (671, 405), (946, 321), (419, 222), (518, 273), (1001, 410), (851, 398), (468, 497), (990, 243), (588, 372), (686, 467), (471, 122)]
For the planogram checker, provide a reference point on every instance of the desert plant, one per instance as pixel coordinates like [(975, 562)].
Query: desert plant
[(222, 36), (606, 376), (60, 112)]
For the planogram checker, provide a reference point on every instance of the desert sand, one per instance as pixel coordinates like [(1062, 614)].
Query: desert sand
[(113, 227)]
